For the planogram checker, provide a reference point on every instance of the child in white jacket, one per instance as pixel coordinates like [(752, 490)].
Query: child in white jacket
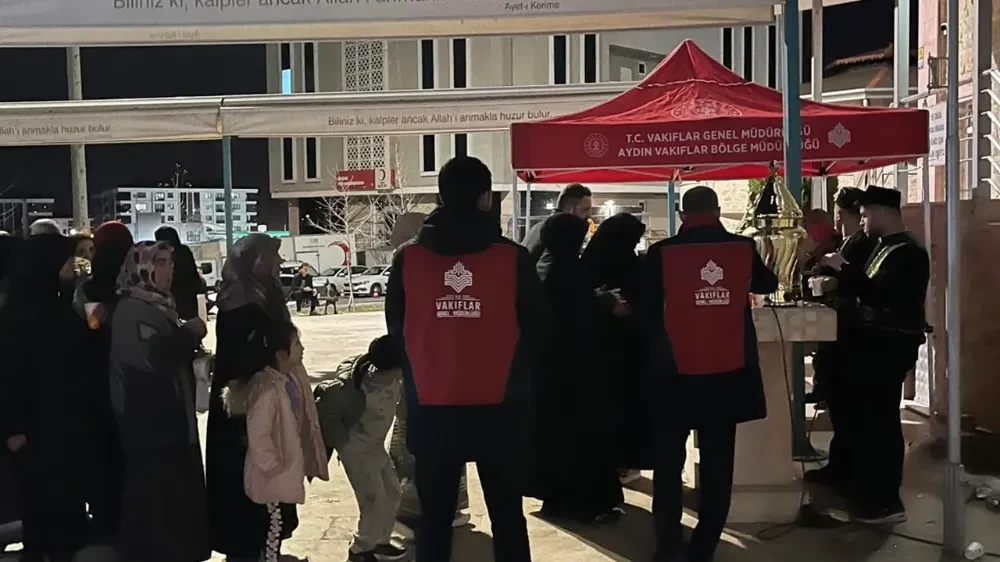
[(284, 442)]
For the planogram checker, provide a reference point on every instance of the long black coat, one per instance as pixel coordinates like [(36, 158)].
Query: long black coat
[(611, 264), (239, 526), (576, 443)]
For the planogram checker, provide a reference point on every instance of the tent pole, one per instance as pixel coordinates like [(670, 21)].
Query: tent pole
[(818, 199), (77, 152), (227, 186), (954, 504), (527, 207), (514, 230), (929, 307), (801, 448), (901, 78), (672, 208)]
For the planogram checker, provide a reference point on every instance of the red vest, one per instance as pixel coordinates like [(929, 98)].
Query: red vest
[(705, 288), (460, 324)]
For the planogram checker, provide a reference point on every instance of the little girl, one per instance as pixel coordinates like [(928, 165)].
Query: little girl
[(284, 442)]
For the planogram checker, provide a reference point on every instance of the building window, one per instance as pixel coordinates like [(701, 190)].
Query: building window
[(237, 218), (590, 67), (160, 196), (459, 79), (171, 218), (428, 155), (727, 47), (312, 159), (364, 70), (459, 63), (141, 207), (288, 160), (220, 196), (428, 64), (159, 208), (559, 59), (772, 56), (220, 208), (642, 69), (310, 64), (170, 195), (139, 195), (310, 79), (287, 144), (461, 144), (748, 53), (428, 81)]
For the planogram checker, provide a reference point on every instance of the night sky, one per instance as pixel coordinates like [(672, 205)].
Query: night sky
[(40, 74)]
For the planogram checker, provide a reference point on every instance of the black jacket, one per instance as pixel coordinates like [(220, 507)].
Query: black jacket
[(703, 400), (471, 431), (891, 291)]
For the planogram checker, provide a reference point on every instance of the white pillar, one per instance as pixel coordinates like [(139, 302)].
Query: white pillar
[(901, 76), (818, 194), (77, 152)]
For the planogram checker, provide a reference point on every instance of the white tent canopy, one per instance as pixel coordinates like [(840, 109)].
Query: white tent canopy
[(49, 23), (109, 121), (297, 115), (118, 22)]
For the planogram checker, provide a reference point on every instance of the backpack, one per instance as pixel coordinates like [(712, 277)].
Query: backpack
[(340, 402)]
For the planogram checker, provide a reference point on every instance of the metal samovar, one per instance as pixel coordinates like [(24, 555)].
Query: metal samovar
[(774, 221)]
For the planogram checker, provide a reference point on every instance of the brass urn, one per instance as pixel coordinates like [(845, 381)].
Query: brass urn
[(774, 221)]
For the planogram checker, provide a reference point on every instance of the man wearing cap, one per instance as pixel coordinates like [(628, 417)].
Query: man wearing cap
[(891, 288), (704, 364), (466, 303)]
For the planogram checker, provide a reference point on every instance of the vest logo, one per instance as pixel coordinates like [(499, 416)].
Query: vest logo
[(458, 279), (713, 295), (711, 273)]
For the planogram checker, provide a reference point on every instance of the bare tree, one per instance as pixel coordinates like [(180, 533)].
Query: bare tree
[(366, 216)]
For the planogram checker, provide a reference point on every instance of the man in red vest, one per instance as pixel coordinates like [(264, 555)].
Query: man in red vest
[(704, 364), (465, 301)]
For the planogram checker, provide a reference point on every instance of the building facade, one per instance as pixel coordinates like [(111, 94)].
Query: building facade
[(197, 213), (304, 169)]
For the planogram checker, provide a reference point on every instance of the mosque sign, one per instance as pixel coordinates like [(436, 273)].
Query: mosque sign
[(110, 22)]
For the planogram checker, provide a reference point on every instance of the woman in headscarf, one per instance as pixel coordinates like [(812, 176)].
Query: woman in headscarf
[(251, 302), (43, 422), (95, 301), (577, 465), (612, 265), (163, 496)]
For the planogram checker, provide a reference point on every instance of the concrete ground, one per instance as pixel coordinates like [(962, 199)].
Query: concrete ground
[(329, 516)]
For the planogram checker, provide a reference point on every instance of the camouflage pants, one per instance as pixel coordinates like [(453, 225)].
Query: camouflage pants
[(409, 507)]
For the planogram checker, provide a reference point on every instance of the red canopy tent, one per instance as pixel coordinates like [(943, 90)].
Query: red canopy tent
[(694, 119)]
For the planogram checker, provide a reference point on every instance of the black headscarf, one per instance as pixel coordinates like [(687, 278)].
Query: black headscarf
[(610, 259), (559, 267), (35, 287)]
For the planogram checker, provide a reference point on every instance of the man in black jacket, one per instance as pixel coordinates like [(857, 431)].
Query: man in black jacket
[(890, 288), (703, 349), (466, 303), (575, 199)]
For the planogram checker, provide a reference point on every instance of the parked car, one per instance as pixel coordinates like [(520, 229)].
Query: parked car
[(372, 282), (336, 278)]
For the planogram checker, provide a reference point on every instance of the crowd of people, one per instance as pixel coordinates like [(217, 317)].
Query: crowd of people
[(559, 368)]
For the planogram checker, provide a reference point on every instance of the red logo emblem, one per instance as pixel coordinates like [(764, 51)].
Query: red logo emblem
[(596, 145)]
